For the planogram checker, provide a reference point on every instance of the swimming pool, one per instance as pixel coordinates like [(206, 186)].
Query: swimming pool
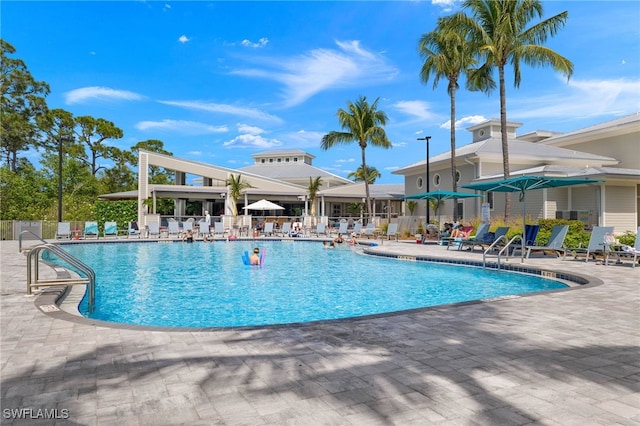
[(207, 285)]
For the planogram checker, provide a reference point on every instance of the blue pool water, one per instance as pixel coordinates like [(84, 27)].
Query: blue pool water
[(207, 285)]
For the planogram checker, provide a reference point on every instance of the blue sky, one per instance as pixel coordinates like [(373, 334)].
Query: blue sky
[(219, 81)]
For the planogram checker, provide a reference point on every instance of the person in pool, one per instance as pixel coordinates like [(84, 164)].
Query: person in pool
[(188, 237), (254, 259), (338, 239)]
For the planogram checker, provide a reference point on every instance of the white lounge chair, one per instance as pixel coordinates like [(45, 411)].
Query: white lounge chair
[(369, 230), (173, 227), (555, 244), (321, 228), (203, 230), (342, 229), (154, 230), (268, 229), (596, 243), (64, 231), (218, 228), (286, 229), (392, 231)]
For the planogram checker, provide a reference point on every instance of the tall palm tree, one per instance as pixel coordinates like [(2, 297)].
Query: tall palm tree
[(504, 31), (314, 187), (359, 175), (236, 188), (362, 123), (448, 54)]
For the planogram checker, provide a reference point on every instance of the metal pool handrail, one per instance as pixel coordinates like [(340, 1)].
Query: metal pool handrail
[(33, 272), (27, 232)]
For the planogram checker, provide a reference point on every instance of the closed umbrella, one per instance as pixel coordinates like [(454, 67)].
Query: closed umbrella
[(524, 183)]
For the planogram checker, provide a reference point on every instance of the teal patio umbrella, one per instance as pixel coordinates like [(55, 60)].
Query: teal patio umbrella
[(525, 183), (440, 195)]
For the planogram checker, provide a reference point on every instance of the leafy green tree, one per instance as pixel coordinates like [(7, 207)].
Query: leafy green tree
[(25, 193), (314, 187), (236, 189), (505, 35), (448, 54), (120, 177), (157, 175), (359, 175), (361, 123), (93, 132), (23, 99)]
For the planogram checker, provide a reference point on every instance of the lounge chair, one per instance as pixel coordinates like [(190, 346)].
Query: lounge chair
[(321, 228), (268, 229), (187, 226), (218, 228), (357, 229), (110, 230), (173, 227), (203, 230), (392, 231), (626, 251), (91, 230), (474, 240), (596, 243), (555, 244), (369, 230), (285, 230), (342, 229), (530, 234), (499, 238), (64, 231), (154, 230), (134, 230)]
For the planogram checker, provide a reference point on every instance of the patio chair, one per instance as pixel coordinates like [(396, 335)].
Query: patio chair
[(555, 244), (173, 227), (204, 230), (285, 230), (64, 231), (342, 228), (218, 228), (477, 239), (369, 230), (134, 230), (91, 230), (357, 229), (268, 229), (321, 228), (187, 226), (596, 243), (392, 231), (110, 230), (154, 230), (626, 251), (530, 234)]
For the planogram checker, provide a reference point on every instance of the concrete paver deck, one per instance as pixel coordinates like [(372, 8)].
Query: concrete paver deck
[(561, 358)]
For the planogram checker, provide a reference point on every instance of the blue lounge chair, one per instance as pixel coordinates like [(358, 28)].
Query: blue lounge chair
[(110, 230), (91, 230)]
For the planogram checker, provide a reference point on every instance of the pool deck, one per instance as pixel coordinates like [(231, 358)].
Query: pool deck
[(560, 358)]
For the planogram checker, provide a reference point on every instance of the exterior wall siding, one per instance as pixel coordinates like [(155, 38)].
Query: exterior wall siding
[(619, 208)]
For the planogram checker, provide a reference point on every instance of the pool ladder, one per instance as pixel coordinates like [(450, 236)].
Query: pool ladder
[(502, 250), (87, 275)]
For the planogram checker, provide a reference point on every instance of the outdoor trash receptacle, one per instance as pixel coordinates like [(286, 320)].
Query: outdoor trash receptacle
[(418, 238)]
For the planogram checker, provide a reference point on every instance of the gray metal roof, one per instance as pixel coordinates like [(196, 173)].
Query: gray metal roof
[(294, 171), (357, 190)]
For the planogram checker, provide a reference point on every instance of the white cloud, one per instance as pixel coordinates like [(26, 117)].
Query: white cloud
[(417, 109), (224, 109), (303, 139), (186, 127), (305, 75), (83, 94), (184, 39), (252, 130), (584, 98), (260, 43), (252, 141), (464, 122), (346, 160)]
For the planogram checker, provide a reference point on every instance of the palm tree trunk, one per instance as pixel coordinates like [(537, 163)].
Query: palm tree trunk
[(505, 139), (452, 92), (366, 189)]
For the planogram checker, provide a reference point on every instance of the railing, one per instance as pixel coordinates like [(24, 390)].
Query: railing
[(33, 272), (26, 233), (491, 248)]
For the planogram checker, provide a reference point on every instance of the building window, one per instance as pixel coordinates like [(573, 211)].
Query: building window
[(295, 159), (286, 160), (420, 182), (271, 160), (490, 199), (262, 161), (436, 179), (279, 160), (458, 176)]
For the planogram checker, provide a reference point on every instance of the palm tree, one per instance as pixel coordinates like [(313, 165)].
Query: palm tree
[(359, 176), (314, 187), (236, 188), (362, 123), (502, 29), (448, 54)]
